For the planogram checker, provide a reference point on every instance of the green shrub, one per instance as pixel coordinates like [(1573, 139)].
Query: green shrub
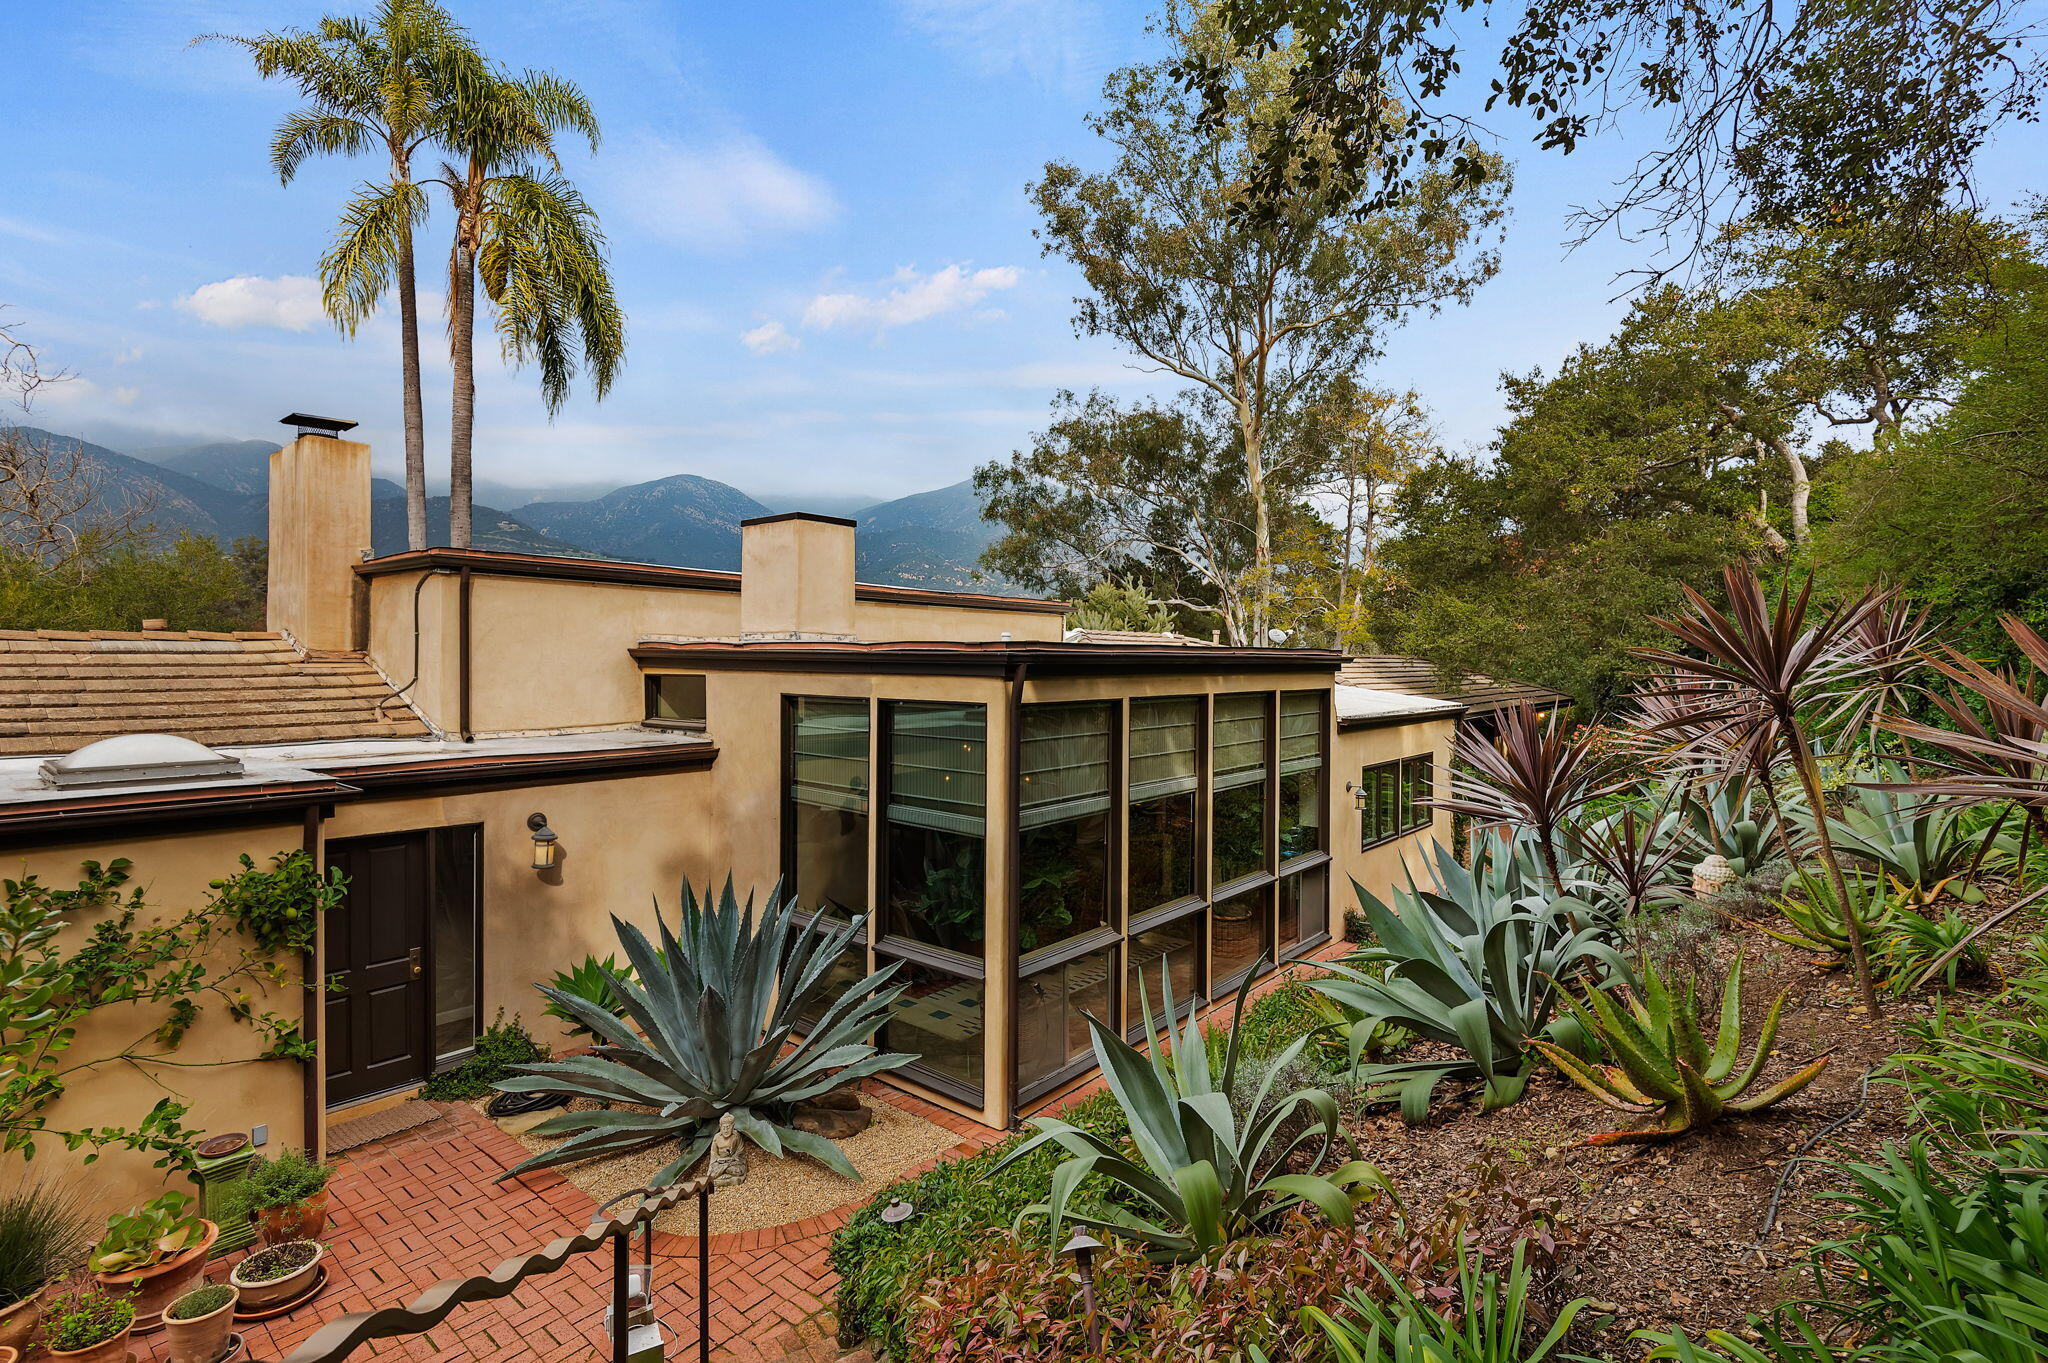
[(85, 1317), (290, 1179), (200, 1301), (502, 1046), (881, 1265), (1982, 1067), (1484, 1319)]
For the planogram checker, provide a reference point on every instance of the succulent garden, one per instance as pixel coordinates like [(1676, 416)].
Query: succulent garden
[(1720, 1035)]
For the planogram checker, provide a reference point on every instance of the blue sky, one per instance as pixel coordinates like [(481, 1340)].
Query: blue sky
[(819, 228)]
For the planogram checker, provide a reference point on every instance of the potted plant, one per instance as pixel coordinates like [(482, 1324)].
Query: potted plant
[(153, 1254), (43, 1235), (88, 1325), (276, 1274), (198, 1324), (288, 1196)]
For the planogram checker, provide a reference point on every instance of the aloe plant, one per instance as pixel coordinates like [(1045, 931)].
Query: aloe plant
[(1476, 962), (1203, 1175), (1820, 922), (1663, 1065), (718, 1008)]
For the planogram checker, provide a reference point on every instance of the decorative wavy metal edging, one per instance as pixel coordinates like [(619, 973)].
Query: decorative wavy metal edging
[(343, 1335)]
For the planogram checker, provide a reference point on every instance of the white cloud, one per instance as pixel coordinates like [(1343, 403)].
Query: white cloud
[(291, 302), (915, 298), (768, 338), (718, 196), (1063, 44)]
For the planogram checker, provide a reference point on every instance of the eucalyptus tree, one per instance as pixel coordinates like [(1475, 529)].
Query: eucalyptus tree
[(376, 83), (1258, 315), (525, 232)]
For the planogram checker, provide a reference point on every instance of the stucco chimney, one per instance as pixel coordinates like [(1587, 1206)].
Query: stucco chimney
[(796, 577), (319, 530)]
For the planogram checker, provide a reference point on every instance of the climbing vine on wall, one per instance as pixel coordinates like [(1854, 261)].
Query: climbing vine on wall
[(154, 972)]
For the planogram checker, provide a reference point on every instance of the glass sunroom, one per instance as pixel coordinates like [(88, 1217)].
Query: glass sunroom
[(1038, 833)]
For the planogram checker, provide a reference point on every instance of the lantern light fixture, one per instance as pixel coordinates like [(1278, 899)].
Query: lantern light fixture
[(547, 848)]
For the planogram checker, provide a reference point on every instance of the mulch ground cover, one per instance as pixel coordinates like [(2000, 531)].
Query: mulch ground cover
[(1686, 1233)]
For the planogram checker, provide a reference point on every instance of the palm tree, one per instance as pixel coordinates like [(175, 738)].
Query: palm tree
[(371, 83), (529, 236)]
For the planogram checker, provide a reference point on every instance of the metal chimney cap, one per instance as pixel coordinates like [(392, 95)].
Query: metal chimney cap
[(316, 425)]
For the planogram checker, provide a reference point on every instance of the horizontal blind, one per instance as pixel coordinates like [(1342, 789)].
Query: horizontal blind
[(938, 766), (1240, 741), (1164, 736), (828, 754), (1301, 731), (1063, 763)]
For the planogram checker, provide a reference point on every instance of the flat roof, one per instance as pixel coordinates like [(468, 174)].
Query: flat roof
[(1360, 707), (498, 563), (989, 659)]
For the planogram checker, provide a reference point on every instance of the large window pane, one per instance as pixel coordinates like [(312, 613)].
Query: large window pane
[(1063, 809), (455, 927), (827, 804), (1177, 946), (1239, 934), (1301, 773), (939, 1019), (938, 784), (1241, 746), (1051, 1029), (1162, 848), (1304, 908)]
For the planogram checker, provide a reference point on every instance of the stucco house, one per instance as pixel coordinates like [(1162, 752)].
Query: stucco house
[(1028, 821)]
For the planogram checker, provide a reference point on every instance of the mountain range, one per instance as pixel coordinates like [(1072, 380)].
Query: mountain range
[(929, 539)]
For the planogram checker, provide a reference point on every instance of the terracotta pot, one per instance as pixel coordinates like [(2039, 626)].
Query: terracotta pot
[(9, 1354), (113, 1350), (18, 1323), (155, 1287), (300, 1221), (264, 1295), (201, 1339)]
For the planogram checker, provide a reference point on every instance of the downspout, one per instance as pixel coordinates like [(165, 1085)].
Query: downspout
[(315, 1131), (1013, 879), (462, 656)]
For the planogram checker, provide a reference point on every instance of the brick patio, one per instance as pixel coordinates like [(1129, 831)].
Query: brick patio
[(425, 1205)]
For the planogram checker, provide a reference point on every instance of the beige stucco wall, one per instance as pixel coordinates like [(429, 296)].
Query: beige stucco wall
[(173, 870), (1389, 864), (320, 508)]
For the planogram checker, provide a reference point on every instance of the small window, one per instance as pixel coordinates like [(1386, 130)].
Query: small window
[(1392, 799), (675, 701)]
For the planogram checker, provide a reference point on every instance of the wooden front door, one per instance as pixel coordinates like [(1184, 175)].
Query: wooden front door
[(380, 997)]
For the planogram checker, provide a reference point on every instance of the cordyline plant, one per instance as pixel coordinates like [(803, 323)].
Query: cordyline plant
[(1758, 668), (717, 1007), (1203, 1176), (1681, 727), (1663, 1064), (1999, 755), (1533, 776)]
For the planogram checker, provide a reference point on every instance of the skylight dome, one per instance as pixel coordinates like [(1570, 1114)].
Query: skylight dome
[(138, 759)]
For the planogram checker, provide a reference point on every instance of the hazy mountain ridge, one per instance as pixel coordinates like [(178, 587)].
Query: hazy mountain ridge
[(929, 539)]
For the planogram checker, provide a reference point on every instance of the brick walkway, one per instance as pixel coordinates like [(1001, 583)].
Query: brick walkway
[(425, 1205)]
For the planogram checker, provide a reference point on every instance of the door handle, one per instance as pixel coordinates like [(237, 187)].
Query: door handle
[(412, 958)]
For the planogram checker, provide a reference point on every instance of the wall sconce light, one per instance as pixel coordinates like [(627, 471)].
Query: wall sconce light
[(547, 849), (1357, 793)]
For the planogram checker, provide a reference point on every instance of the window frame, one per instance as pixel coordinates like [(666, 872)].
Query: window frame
[(651, 692), (790, 703), (1406, 791)]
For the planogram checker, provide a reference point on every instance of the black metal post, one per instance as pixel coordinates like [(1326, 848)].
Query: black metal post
[(704, 1272), (622, 1253), (1083, 1247)]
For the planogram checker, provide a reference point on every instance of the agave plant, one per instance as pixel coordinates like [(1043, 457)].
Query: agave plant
[(1911, 942), (1203, 1175), (1924, 841), (1663, 1064), (1477, 962), (1821, 921), (717, 1007), (590, 980), (1719, 821)]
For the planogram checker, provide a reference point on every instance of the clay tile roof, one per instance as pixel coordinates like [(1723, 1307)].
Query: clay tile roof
[(1419, 677), (61, 689)]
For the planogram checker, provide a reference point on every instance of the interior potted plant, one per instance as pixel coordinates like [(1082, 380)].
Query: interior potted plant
[(288, 1196), (43, 1236), (88, 1325), (153, 1254), (197, 1325), (276, 1274)]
